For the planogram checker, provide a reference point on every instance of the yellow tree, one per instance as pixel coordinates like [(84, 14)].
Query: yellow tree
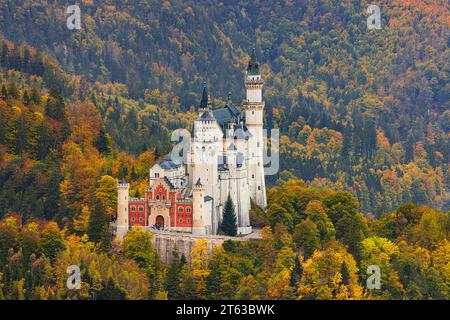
[(323, 276), (199, 260)]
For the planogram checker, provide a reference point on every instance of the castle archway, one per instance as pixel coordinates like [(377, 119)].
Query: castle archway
[(160, 221)]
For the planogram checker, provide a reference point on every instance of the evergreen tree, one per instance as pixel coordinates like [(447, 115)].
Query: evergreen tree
[(409, 148), (98, 230), (26, 60), (173, 277), (55, 108), (112, 291), (26, 98), (296, 273), (12, 90), (229, 222), (4, 92), (35, 95), (103, 143), (187, 284), (345, 274), (4, 55)]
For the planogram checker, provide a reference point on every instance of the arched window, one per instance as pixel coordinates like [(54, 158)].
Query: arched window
[(133, 209), (188, 209), (180, 220), (180, 209), (188, 220), (132, 219), (140, 219), (141, 209), (164, 197), (157, 197)]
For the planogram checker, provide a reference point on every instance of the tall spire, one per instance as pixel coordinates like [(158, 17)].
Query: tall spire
[(253, 64), (205, 102)]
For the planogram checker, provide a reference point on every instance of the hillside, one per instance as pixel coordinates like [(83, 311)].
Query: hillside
[(358, 109)]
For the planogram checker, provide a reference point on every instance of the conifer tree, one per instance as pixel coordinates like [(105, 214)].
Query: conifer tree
[(173, 277), (229, 223), (103, 143), (98, 230), (26, 98), (4, 92), (345, 274), (4, 55), (296, 273), (12, 90), (112, 291), (35, 96)]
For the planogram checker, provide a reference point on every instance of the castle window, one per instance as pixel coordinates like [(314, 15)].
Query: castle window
[(188, 220), (188, 209), (163, 197), (180, 209), (133, 209), (180, 221), (259, 187), (156, 175), (141, 209), (157, 197), (140, 219), (132, 219), (253, 112), (253, 176)]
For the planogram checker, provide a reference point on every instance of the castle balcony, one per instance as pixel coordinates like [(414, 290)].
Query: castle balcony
[(254, 105), (165, 203), (254, 82)]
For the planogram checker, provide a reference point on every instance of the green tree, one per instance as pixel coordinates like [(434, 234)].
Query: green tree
[(103, 143), (112, 291), (307, 236), (99, 229), (229, 223), (52, 241), (172, 283), (351, 230)]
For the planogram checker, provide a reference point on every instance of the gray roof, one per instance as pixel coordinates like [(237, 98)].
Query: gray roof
[(241, 132), (168, 163), (207, 116), (167, 181), (208, 198), (227, 114)]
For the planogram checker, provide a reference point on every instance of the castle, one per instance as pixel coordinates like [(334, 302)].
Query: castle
[(225, 158)]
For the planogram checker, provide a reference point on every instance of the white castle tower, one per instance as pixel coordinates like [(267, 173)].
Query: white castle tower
[(206, 145), (254, 115), (198, 194), (122, 208)]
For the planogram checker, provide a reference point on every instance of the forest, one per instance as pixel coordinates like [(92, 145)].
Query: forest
[(364, 118)]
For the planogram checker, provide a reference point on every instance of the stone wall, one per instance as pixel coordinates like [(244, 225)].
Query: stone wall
[(167, 243)]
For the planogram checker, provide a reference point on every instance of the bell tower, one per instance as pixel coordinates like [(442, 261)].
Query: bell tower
[(254, 120)]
